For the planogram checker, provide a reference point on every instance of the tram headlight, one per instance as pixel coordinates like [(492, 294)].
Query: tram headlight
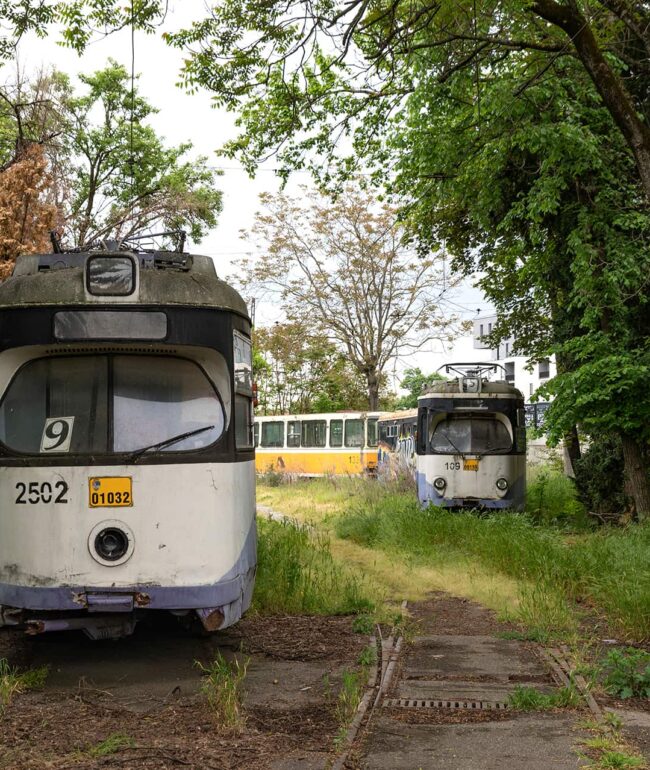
[(111, 543), (502, 484), (439, 483)]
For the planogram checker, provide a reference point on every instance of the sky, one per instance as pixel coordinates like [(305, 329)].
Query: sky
[(183, 117)]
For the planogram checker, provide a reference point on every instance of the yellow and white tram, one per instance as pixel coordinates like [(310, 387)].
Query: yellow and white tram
[(317, 444), (127, 480)]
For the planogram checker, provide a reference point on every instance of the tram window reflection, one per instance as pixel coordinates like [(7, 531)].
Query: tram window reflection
[(293, 433), (157, 398), (354, 433), (314, 433), (57, 387), (372, 431), (336, 433), (273, 434), (470, 433)]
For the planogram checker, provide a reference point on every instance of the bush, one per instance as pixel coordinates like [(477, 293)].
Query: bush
[(600, 476), (627, 673), (552, 497)]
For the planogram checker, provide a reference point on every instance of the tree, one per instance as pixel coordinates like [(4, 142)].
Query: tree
[(300, 371), (112, 178), (414, 381), (343, 266), (124, 180)]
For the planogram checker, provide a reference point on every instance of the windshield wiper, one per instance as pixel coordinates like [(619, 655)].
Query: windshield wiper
[(446, 435), (162, 444)]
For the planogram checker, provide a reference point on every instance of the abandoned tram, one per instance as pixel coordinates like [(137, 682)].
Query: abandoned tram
[(127, 472)]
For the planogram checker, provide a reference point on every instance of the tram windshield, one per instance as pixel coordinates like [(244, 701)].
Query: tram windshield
[(472, 434), (109, 404)]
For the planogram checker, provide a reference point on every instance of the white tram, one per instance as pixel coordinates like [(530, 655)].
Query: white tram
[(471, 441), (127, 472)]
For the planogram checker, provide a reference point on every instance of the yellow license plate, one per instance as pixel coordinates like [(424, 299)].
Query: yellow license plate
[(110, 492), (470, 465)]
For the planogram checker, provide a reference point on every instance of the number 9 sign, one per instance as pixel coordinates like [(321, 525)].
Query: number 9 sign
[(57, 434)]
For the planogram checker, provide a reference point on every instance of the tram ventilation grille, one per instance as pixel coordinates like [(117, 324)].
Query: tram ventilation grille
[(461, 705), (109, 349)]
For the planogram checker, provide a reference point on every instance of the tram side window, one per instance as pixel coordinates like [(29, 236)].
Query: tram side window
[(469, 433), (273, 434), (336, 433), (314, 433), (293, 433), (256, 433), (372, 431), (243, 422), (354, 433)]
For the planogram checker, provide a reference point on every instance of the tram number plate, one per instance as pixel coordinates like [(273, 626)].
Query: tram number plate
[(470, 465), (110, 492)]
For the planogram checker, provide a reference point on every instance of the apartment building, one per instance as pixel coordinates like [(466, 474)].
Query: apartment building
[(517, 369)]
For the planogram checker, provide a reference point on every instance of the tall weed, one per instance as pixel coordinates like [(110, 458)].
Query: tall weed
[(297, 573)]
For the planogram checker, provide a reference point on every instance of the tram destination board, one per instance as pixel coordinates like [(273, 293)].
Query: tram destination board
[(110, 492)]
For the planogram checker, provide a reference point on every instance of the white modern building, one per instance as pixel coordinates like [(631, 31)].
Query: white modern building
[(518, 372)]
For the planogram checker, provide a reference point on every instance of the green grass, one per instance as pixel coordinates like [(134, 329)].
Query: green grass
[(607, 567), (222, 686), (13, 682), (530, 568), (111, 745), (531, 699), (297, 573)]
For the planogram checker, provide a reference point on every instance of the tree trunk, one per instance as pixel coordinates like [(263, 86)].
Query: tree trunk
[(636, 475), (571, 451), (373, 391), (609, 85)]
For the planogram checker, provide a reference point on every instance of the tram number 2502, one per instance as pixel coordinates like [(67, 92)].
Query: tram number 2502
[(35, 492)]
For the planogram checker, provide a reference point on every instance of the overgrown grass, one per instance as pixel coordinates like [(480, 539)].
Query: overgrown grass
[(548, 566), (111, 745), (222, 687), (297, 573), (531, 699), (13, 682)]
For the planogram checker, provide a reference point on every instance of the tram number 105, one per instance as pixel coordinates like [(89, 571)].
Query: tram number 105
[(34, 492)]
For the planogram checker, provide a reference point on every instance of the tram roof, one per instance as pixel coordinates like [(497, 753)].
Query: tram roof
[(166, 278), (454, 387)]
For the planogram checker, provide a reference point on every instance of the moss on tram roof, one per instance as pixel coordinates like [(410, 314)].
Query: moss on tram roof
[(199, 286)]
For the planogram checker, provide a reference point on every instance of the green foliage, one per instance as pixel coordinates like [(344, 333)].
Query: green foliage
[(116, 192), (627, 673), (348, 699), (600, 475), (299, 370), (414, 381), (223, 688), (363, 624), (608, 567), (13, 682), (296, 573), (551, 497), (111, 745), (531, 699)]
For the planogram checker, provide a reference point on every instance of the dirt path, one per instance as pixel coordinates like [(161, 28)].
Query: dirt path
[(145, 689), (458, 657)]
